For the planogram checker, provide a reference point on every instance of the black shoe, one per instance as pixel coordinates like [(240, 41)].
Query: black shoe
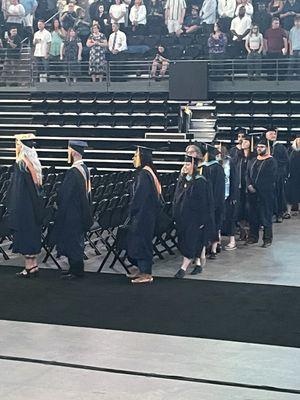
[(212, 256), (25, 273), (266, 244), (279, 220), (219, 248), (180, 274), (197, 270), (71, 277), (251, 241), (66, 272)]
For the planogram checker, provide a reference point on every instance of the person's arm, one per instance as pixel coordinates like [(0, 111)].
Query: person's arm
[(63, 16), (182, 15), (167, 12), (123, 46), (249, 8), (132, 16), (62, 47), (291, 42), (123, 13), (79, 44), (141, 14), (285, 46), (220, 9), (247, 42), (90, 42), (103, 42), (266, 45), (110, 43)]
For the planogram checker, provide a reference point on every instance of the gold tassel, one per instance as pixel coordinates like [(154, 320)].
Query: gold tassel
[(137, 158), (269, 149), (252, 144)]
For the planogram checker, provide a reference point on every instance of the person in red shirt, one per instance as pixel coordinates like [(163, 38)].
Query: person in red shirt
[(276, 46)]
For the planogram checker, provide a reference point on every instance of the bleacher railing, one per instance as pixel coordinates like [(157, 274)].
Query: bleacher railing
[(27, 72)]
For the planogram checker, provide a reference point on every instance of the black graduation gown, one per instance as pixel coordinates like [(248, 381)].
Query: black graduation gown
[(261, 174), (293, 182), (231, 203), (191, 211), (242, 166), (143, 211), (235, 152), (24, 212), (214, 173), (73, 218), (280, 154)]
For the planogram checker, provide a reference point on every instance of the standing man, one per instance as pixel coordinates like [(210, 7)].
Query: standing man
[(294, 42), (174, 14), (276, 46), (208, 14), (42, 43), (25, 204), (73, 217), (261, 176), (30, 6), (236, 150), (240, 27), (226, 9), (280, 154)]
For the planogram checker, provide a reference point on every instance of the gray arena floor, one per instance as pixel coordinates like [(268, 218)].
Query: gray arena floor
[(41, 361)]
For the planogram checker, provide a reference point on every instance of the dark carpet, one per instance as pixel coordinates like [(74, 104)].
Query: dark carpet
[(208, 309)]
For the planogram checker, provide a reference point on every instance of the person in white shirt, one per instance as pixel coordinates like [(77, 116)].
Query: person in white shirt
[(117, 41), (240, 27), (248, 7), (15, 16), (208, 13), (117, 13), (42, 43), (138, 17), (174, 14), (226, 9)]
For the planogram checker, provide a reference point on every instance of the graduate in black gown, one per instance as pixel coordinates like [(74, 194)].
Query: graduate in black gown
[(237, 149), (293, 182), (261, 178), (144, 209), (73, 218), (231, 198), (213, 171), (191, 213), (280, 154), (245, 157), (25, 204)]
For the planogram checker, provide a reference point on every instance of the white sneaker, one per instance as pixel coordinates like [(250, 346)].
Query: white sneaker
[(231, 246)]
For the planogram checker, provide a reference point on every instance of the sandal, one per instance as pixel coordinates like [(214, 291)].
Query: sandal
[(27, 273)]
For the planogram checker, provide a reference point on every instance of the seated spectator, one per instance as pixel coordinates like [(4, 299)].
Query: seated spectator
[(276, 46), (69, 17), (82, 26), (217, 43), (262, 18), (248, 7), (240, 27), (160, 63), (174, 14), (138, 17), (102, 19), (254, 45), (13, 49), (191, 23), (97, 43), (294, 41), (208, 13), (42, 43), (275, 7), (226, 9), (29, 6), (155, 17), (290, 10), (15, 16), (117, 42), (117, 13), (70, 53)]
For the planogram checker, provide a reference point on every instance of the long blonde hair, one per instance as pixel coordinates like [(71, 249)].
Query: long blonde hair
[(31, 155)]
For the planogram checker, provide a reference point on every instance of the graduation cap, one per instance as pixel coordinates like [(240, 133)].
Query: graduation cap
[(253, 138), (142, 155), (208, 150), (192, 160), (240, 129), (77, 145), (27, 139)]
